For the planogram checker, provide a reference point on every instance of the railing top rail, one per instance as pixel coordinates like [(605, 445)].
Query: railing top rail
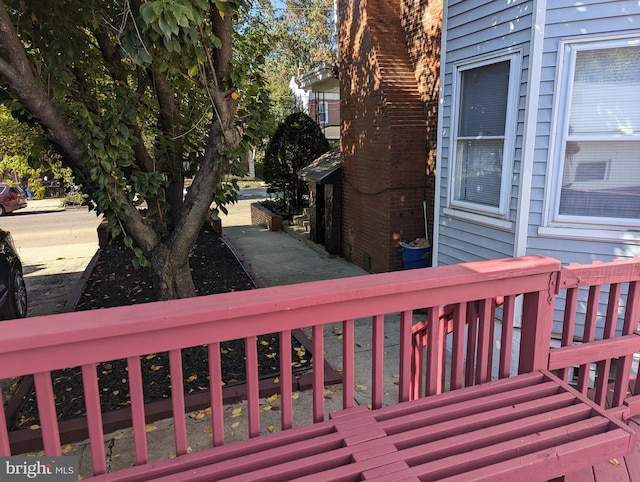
[(597, 273), (92, 336)]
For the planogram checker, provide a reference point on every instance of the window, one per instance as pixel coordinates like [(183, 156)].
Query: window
[(323, 112), (598, 155), (483, 135)]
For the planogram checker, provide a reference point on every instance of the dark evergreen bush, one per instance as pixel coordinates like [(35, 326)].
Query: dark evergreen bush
[(296, 143)]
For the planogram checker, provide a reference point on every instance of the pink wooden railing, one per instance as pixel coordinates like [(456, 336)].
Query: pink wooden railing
[(592, 293), (40, 345), (609, 335)]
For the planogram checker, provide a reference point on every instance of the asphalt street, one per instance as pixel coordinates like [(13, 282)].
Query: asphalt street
[(55, 245)]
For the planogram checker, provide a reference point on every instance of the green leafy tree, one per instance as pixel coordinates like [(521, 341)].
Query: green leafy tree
[(296, 143), (24, 155), (135, 96), (304, 36)]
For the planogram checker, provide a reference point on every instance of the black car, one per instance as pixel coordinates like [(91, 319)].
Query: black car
[(13, 291)]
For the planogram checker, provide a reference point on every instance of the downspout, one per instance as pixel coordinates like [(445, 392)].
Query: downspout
[(436, 198), (530, 126)]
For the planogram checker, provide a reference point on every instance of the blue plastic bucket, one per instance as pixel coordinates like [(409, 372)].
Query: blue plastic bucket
[(415, 256)]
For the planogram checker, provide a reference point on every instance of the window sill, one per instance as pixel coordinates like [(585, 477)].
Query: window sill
[(501, 224), (588, 233)]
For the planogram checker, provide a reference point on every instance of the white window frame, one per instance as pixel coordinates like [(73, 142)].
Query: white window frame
[(555, 224), (462, 208)]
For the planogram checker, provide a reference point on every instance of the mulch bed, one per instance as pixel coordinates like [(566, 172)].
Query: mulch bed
[(115, 282)]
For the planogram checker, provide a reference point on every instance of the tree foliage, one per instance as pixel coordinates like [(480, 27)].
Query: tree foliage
[(135, 96), (296, 143), (304, 36), (26, 156)]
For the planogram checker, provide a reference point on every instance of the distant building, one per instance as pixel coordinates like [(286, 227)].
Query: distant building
[(318, 94)]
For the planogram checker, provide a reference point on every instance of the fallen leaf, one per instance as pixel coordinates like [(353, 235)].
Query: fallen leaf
[(271, 428), (118, 437), (235, 424), (150, 428), (155, 368), (150, 356), (360, 388), (206, 430), (264, 343), (35, 426), (614, 462), (236, 412), (295, 396), (272, 398), (66, 449), (115, 456), (192, 378)]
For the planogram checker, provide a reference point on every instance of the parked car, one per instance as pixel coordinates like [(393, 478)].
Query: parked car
[(13, 291), (11, 198)]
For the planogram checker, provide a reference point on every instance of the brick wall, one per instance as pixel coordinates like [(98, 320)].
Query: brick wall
[(384, 135), (262, 216)]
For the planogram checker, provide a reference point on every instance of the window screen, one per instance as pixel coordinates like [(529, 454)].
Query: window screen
[(601, 172), (481, 134)]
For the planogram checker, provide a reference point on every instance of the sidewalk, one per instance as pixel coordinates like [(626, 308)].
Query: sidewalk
[(274, 258)]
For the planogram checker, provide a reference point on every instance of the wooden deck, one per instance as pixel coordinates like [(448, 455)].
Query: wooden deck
[(465, 343), (616, 470)]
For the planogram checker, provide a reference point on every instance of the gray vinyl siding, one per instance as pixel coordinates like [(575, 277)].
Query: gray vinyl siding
[(478, 28), (566, 20)]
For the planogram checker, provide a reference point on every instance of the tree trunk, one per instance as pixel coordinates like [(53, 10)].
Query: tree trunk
[(171, 276)]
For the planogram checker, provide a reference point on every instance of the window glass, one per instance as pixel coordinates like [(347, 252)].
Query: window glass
[(601, 171), (323, 113), (481, 134)]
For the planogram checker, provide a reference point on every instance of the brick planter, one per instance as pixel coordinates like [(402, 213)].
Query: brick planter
[(264, 217)]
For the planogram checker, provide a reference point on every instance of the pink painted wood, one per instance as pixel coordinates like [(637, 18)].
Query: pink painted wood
[(582, 353), (460, 301)]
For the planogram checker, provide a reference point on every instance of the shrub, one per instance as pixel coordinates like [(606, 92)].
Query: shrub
[(296, 143)]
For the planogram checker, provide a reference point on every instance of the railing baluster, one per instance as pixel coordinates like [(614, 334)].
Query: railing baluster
[(5, 447), (348, 363), (589, 334), (568, 325), (215, 389), (506, 336), (457, 355), (485, 343), (318, 372), (377, 373), (47, 413), (631, 316), (177, 402), (253, 385), (94, 418), (406, 320), (604, 366), (472, 339), (286, 381), (435, 343), (137, 410), (418, 348)]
